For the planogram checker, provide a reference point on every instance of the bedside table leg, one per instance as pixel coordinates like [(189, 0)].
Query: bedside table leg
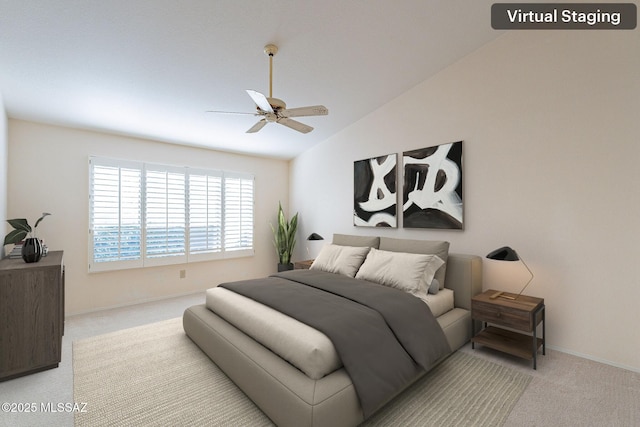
[(535, 348), (535, 333), (544, 335)]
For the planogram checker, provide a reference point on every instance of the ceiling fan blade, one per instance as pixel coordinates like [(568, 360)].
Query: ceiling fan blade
[(255, 128), (231, 112), (260, 100), (315, 110), (300, 127)]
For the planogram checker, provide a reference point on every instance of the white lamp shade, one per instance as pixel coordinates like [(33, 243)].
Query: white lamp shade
[(507, 276)]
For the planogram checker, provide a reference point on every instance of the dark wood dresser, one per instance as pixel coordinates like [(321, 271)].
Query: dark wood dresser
[(31, 315)]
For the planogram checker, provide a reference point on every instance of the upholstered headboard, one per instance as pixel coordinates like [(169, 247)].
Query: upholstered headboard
[(463, 273), (357, 241), (464, 277)]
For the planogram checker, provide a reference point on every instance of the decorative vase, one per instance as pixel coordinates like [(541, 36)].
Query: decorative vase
[(285, 267), (31, 250)]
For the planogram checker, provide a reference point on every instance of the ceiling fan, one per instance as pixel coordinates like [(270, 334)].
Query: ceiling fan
[(274, 110)]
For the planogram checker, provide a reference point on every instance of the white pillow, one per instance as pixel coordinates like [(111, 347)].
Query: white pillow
[(411, 273), (340, 259)]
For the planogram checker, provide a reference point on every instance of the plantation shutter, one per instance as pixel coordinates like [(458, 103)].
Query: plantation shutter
[(165, 215), (147, 214), (205, 212), (115, 216), (238, 214)]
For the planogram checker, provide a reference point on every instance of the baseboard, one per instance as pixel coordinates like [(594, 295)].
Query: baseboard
[(130, 304), (595, 359)]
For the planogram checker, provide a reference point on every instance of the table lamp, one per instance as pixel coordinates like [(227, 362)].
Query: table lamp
[(313, 236), (505, 253)]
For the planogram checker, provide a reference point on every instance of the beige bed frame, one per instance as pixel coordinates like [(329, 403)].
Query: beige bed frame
[(284, 393)]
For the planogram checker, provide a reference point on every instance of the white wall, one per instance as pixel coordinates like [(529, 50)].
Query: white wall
[(3, 171), (550, 123), (48, 171)]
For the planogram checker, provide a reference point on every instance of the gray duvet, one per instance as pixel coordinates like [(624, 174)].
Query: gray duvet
[(385, 337)]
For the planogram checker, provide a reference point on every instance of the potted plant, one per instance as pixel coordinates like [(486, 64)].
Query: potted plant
[(31, 248), (284, 239)]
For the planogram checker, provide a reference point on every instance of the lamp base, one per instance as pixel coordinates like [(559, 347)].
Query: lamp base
[(501, 295)]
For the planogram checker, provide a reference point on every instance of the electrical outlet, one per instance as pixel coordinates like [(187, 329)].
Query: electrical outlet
[(183, 274)]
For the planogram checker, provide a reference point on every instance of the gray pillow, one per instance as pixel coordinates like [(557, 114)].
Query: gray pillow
[(434, 287)]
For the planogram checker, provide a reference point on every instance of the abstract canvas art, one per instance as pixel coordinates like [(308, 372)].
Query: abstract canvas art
[(374, 192), (432, 192)]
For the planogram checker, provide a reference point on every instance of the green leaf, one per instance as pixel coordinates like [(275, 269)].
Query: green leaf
[(20, 224), (41, 218), (15, 236)]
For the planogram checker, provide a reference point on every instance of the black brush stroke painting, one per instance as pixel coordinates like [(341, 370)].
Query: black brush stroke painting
[(374, 192), (432, 188)]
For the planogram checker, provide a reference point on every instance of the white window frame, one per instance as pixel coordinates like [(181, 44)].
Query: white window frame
[(145, 260)]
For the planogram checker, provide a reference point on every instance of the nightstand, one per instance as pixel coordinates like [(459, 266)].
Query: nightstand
[(514, 324), (302, 265)]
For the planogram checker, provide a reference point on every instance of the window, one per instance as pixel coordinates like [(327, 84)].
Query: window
[(147, 214)]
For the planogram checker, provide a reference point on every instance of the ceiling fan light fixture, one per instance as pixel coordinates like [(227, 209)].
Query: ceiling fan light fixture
[(271, 117)]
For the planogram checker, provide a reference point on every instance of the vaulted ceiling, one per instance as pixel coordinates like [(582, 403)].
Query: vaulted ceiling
[(152, 68)]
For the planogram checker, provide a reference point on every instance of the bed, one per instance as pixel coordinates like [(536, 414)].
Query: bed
[(294, 388)]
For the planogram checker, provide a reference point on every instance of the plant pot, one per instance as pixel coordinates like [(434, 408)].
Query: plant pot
[(31, 250), (285, 267)]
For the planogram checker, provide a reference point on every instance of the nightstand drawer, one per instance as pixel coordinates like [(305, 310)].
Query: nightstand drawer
[(504, 316)]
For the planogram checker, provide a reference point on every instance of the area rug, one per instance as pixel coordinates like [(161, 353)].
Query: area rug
[(154, 375)]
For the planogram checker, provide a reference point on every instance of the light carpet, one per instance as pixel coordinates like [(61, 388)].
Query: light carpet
[(154, 375)]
